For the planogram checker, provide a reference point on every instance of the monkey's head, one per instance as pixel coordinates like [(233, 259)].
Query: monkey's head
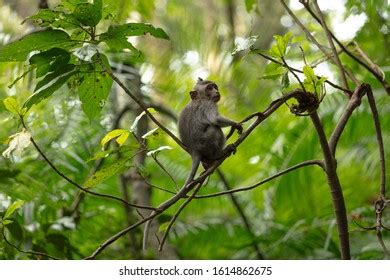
[(205, 89)]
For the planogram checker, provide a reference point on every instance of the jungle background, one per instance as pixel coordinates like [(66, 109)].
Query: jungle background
[(290, 217)]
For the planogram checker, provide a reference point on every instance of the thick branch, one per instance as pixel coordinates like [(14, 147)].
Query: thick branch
[(379, 138), (335, 188)]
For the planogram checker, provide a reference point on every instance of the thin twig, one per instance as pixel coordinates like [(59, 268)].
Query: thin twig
[(278, 174), (347, 91), (311, 37), (141, 104), (332, 46), (379, 77), (154, 156), (26, 252), (73, 182)]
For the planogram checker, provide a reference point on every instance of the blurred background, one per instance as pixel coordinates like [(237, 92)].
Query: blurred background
[(288, 218)]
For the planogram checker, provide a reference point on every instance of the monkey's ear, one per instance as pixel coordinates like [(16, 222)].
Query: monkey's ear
[(193, 94), (200, 79)]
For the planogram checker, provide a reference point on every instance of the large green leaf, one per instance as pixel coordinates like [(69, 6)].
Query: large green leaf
[(50, 60), (37, 41), (95, 85), (106, 172), (11, 209), (89, 14), (50, 84), (132, 29), (12, 105)]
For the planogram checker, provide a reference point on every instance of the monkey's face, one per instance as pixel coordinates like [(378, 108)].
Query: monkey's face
[(211, 92)]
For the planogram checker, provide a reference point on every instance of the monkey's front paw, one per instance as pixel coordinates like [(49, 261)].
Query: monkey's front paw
[(230, 149), (239, 128)]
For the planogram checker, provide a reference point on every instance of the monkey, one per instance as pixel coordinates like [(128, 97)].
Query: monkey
[(200, 130), (200, 126)]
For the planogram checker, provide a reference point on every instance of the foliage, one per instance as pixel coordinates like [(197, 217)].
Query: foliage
[(58, 78)]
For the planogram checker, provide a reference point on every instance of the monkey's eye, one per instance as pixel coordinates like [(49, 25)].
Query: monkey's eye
[(211, 87)]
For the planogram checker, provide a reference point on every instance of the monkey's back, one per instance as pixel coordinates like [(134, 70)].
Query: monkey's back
[(198, 131)]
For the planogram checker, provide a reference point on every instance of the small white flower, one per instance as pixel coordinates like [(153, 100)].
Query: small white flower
[(17, 143)]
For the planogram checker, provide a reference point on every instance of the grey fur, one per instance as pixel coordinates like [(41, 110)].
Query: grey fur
[(200, 126)]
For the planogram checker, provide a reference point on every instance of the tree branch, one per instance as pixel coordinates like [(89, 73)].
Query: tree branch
[(26, 252), (335, 188), (380, 78), (332, 46), (378, 130), (176, 215), (183, 192), (353, 103), (311, 37), (278, 174), (347, 91), (141, 104)]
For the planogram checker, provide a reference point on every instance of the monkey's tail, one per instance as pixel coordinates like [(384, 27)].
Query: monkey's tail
[(146, 233)]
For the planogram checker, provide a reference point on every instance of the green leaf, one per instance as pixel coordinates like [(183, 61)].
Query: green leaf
[(12, 105), (43, 18), (159, 149), (280, 47), (50, 84), (250, 4), (50, 60), (163, 227), (37, 41), (118, 33), (12, 208), (322, 80), (94, 87), (309, 73), (273, 71), (7, 174), (53, 76), (106, 172), (16, 230), (121, 136), (89, 14), (285, 81), (56, 19), (6, 222)]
